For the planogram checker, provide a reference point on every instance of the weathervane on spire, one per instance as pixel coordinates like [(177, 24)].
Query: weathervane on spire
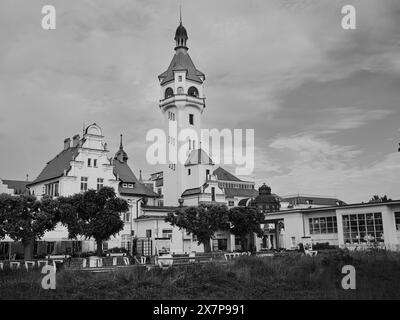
[(120, 144)]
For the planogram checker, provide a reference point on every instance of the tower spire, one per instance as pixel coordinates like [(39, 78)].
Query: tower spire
[(180, 14), (120, 144)]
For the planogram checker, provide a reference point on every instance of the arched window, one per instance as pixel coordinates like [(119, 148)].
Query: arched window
[(193, 92), (169, 93), (180, 90)]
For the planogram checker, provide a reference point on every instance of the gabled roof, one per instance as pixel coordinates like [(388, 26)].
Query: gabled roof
[(17, 185), (191, 192), (236, 192), (181, 62), (55, 168), (198, 156), (126, 175), (222, 174)]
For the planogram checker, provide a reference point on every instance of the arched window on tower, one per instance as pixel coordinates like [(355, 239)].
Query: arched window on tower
[(193, 92), (180, 90), (169, 93)]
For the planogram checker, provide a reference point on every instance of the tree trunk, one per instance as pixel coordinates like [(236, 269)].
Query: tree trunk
[(243, 240), (207, 246), (99, 249), (28, 248)]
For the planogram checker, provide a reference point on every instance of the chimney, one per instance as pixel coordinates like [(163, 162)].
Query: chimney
[(75, 140), (67, 143)]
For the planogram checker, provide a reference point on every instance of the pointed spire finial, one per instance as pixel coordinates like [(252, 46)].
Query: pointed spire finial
[(140, 176), (120, 144), (180, 14)]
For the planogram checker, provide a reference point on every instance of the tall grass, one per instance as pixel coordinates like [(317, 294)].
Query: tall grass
[(288, 277)]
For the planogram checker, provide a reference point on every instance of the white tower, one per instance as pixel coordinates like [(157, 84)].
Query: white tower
[(182, 103)]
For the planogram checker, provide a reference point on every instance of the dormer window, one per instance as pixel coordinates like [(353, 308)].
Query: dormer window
[(124, 185), (180, 78)]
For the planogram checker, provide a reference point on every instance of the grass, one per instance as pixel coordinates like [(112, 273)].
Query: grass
[(290, 277)]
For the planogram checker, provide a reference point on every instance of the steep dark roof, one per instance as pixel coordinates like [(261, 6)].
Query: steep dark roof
[(55, 168), (198, 156), (191, 192), (126, 175), (236, 192), (181, 62), (222, 174), (18, 186)]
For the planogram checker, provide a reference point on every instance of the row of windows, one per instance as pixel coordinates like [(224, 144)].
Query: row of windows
[(361, 228), (323, 225), (85, 180), (172, 166), (235, 185), (166, 233), (171, 116), (89, 162), (171, 140), (51, 189), (192, 91)]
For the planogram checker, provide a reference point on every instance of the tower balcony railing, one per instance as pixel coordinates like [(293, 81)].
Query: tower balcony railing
[(180, 98)]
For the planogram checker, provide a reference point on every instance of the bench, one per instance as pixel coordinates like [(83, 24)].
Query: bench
[(233, 255)]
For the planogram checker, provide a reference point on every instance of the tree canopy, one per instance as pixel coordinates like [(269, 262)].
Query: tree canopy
[(245, 221), (25, 219), (93, 214), (202, 221)]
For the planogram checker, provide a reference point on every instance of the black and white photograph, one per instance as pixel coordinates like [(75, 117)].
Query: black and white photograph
[(198, 155)]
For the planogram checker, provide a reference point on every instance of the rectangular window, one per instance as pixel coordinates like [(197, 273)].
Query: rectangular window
[(363, 228), (56, 193), (397, 218), (220, 244), (207, 173), (322, 225), (126, 216), (189, 172), (231, 203), (89, 162), (212, 194), (84, 183), (159, 191), (191, 119), (179, 78), (100, 183), (167, 233), (125, 242), (50, 247), (95, 163), (148, 233)]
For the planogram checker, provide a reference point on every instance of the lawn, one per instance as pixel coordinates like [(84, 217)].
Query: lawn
[(287, 277)]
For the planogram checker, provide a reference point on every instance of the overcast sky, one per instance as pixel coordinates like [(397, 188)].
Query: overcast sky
[(324, 102)]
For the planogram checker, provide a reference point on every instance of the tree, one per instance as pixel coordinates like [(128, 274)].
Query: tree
[(376, 199), (245, 221), (202, 221), (93, 214), (25, 219)]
